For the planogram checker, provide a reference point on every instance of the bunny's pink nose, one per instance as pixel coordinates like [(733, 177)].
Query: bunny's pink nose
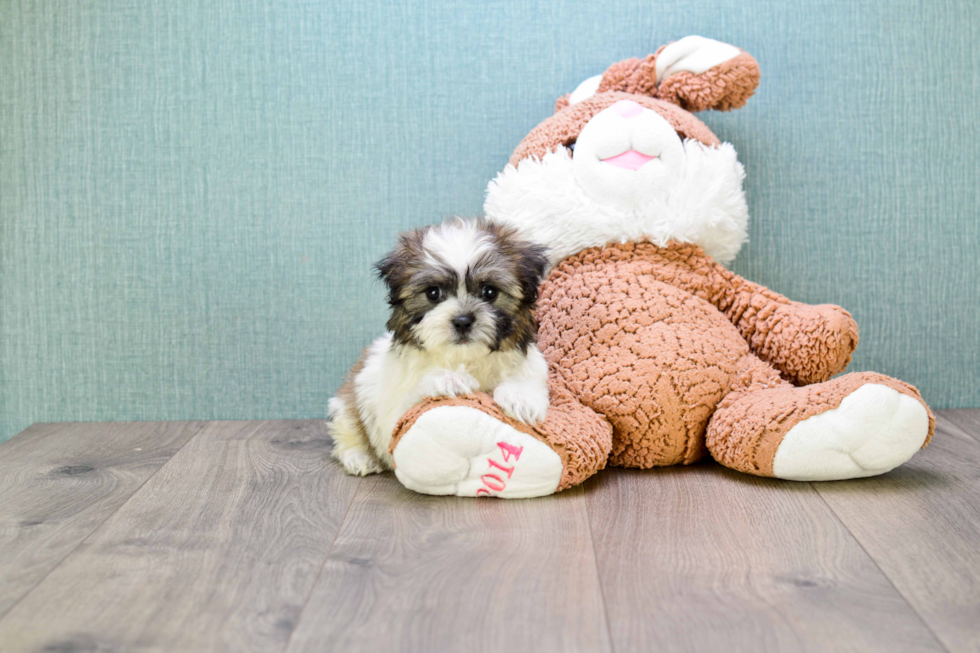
[(627, 108)]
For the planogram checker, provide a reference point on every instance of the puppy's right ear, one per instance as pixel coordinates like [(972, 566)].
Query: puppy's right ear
[(387, 269), (396, 267)]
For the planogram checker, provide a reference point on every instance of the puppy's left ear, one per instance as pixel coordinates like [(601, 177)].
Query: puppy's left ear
[(533, 263)]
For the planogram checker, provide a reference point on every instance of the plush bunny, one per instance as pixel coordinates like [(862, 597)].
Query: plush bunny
[(657, 353)]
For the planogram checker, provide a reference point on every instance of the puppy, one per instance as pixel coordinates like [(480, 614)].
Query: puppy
[(462, 298)]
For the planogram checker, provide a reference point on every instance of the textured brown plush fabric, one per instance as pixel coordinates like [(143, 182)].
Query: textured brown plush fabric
[(564, 127), (807, 344), (632, 76), (654, 339), (752, 420), (580, 437), (726, 86), (562, 102), (653, 358)]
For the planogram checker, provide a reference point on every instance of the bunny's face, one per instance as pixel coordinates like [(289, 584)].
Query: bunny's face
[(624, 159), (625, 154)]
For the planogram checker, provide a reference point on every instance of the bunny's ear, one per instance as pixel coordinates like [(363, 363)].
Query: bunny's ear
[(696, 73), (583, 91)]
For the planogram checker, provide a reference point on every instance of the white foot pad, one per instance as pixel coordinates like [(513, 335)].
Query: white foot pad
[(874, 430), (463, 451)]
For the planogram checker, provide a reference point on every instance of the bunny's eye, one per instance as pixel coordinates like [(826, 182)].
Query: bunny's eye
[(571, 148)]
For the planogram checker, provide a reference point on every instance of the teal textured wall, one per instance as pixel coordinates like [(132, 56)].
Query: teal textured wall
[(192, 191)]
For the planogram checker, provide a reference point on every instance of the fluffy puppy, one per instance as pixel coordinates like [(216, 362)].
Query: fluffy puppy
[(462, 298)]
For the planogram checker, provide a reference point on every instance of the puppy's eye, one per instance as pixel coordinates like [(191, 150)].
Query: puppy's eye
[(434, 293), (489, 293)]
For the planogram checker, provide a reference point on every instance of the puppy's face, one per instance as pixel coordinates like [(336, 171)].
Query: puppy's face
[(464, 283)]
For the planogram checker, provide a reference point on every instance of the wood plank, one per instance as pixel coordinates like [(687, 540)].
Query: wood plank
[(59, 482), (702, 558), (968, 419), (921, 524), (417, 573), (218, 551)]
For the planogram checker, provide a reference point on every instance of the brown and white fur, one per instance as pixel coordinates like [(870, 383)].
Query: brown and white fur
[(462, 298)]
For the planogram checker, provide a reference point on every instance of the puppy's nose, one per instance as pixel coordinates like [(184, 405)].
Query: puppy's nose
[(463, 322), (627, 108)]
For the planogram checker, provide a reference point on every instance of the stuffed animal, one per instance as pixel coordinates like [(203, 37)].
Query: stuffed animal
[(658, 354)]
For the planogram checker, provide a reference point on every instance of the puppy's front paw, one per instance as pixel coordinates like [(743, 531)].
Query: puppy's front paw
[(359, 463), (522, 403), (446, 383)]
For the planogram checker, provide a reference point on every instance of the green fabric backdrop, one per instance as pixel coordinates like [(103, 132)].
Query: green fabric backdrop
[(192, 192)]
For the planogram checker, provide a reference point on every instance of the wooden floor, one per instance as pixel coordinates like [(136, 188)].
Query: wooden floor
[(243, 536)]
